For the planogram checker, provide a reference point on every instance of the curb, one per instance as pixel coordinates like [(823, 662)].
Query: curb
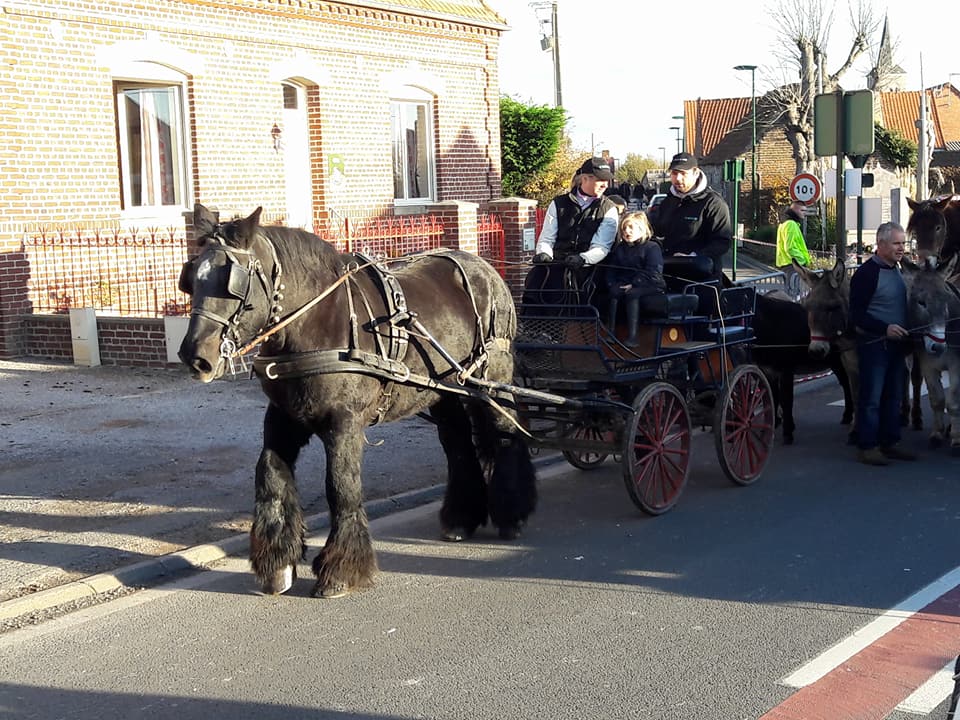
[(189, 559), (199, 556)]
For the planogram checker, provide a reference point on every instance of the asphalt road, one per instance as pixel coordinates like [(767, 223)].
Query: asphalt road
[(597, 611), (107, 467)]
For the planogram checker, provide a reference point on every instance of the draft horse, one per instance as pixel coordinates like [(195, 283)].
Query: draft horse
[(361, 343)]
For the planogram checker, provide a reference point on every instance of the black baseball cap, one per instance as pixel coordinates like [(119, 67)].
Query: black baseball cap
[(683, 161), (598, 167)]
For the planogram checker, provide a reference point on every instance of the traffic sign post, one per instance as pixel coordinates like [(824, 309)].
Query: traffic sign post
[(805, 188)]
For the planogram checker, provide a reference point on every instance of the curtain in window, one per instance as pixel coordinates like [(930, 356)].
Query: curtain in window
[(149, 133)]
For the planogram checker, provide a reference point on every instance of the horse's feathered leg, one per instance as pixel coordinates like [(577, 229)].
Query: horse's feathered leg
[(512, 489), (464, 506), (277, 533), (347, 561)]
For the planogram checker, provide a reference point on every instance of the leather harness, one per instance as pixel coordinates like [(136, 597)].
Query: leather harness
[(391, 337)]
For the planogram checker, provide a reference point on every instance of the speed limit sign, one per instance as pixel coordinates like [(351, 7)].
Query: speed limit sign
[(805, 188)]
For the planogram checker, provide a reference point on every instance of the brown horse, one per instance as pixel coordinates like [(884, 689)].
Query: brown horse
[(934, 226)]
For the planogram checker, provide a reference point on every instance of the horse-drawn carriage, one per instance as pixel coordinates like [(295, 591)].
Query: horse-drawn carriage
[(690, 366), (346, 341)]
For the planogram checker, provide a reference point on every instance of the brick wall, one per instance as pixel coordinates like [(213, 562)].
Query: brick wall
[(57, 122), (123, 341)]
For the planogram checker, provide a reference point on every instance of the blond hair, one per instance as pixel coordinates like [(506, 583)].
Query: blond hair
[(636, 217)]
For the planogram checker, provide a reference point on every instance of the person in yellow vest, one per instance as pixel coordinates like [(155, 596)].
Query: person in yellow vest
[(791, 246)]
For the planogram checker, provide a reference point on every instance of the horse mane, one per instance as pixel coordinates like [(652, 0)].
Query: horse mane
[(304, 257)]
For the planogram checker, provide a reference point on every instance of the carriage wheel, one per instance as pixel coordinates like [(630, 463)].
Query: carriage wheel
[(583, 459), (656, 452), (743, 428)]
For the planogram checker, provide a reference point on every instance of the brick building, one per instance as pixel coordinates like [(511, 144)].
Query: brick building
[(121, 114)]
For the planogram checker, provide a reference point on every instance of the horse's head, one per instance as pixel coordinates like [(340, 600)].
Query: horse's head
[(233, 283), (931, 300), (927, 226), (827, 305)]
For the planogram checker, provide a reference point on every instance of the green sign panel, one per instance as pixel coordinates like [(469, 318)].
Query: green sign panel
[(858, 122), (854, 114), (825, 119)]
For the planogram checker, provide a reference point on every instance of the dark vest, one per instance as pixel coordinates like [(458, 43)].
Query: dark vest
[(576, 226)]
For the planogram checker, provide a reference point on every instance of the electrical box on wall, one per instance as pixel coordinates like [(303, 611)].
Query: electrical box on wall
[(83, 333)]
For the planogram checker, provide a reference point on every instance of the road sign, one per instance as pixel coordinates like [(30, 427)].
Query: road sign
[(805, 188)]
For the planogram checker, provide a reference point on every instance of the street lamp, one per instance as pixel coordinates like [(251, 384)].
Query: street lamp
[(663, 158), (684, 126), (753, 160), (677, 128)]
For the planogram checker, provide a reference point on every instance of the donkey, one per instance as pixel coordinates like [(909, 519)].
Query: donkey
[(933, 309)]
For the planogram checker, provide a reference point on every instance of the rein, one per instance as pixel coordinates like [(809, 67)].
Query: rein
[(352, 269)]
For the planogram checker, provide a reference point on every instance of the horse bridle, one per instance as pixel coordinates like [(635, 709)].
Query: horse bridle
[(239, 284)]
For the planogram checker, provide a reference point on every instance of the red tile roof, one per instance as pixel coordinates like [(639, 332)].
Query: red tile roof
[(723, 125)]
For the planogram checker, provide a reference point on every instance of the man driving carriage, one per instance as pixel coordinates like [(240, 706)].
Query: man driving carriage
[(578, 232), (694, 222)]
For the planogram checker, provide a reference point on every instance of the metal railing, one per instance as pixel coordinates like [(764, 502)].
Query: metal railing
[(115, 271), (134, 272)]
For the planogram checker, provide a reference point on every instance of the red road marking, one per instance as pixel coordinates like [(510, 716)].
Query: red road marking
[(873, 682)]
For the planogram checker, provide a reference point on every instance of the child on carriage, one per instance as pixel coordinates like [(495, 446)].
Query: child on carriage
[(634, 270)]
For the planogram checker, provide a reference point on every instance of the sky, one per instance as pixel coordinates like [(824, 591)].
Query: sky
[(626, 66)]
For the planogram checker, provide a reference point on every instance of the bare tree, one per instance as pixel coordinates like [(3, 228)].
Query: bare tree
[(804, 26)]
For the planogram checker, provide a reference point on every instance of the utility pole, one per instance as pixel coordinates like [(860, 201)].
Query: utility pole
[(551, 42), (557, 92)]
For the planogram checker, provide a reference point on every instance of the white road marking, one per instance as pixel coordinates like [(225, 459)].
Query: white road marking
[(926, 697)]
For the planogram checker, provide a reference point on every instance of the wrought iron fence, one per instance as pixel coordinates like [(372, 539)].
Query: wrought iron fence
[(134, 272), (491, 243), (115, 271)]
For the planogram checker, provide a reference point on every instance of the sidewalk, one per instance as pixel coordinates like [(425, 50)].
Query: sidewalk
[(150, 471)]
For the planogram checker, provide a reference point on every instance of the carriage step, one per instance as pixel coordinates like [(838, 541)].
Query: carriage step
[(689, 345)]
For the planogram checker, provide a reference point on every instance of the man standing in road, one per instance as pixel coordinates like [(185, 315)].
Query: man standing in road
[(693, 219), (792, 247), (878, 309)]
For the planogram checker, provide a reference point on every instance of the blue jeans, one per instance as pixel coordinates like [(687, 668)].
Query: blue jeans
[(882, 370)]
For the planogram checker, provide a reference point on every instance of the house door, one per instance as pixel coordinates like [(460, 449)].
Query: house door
[(296, 158)]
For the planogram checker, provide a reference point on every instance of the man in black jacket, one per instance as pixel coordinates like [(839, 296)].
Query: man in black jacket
[(693, 219)]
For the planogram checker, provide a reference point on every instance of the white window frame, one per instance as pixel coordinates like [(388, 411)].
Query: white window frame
[(415, 99), (154, 77)]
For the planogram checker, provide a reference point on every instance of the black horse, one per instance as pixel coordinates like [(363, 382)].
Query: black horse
[(804, 338), (363, 344)]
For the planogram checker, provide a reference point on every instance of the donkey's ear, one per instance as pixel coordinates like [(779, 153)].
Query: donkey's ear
[(838, 274), (204, 221), (914, 205), (247, 228)]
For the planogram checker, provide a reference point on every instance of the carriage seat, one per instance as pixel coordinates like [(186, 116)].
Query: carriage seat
[(669, 305), (679, 271)]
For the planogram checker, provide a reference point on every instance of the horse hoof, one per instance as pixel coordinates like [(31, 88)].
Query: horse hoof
[(788, 439), (935, 442), (456, 534), (331, 592), (510, 532), (279, 582)]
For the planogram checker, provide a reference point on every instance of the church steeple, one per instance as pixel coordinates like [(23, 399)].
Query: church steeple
[(886, 76)]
